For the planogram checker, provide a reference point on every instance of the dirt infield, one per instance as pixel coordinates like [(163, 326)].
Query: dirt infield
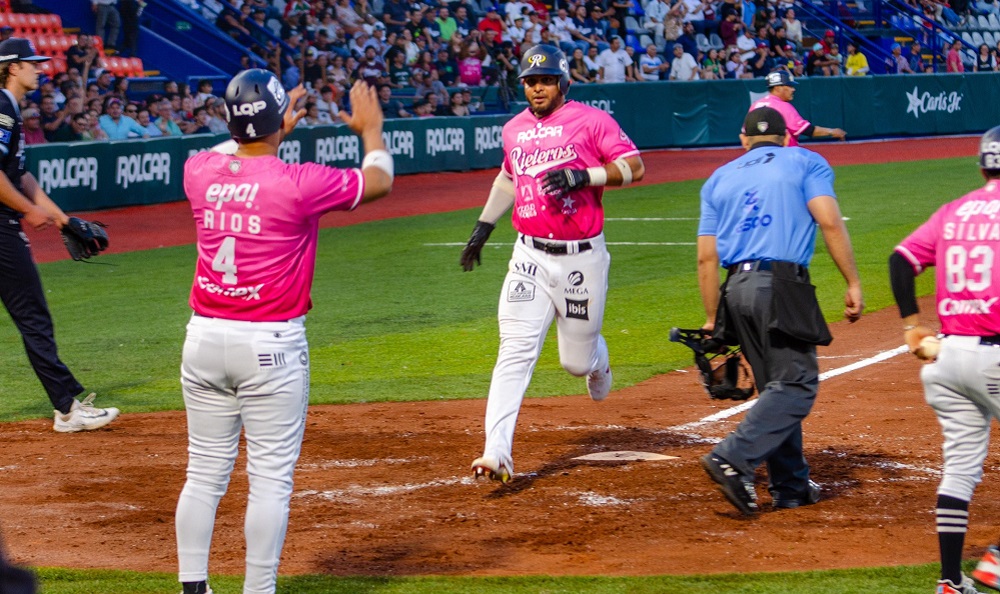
[(384, 489)]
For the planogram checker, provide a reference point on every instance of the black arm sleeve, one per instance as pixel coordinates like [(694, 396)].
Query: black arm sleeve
[(903, 281), (809, 131)]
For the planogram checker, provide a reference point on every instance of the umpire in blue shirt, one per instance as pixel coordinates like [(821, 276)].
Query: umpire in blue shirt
[(759, 215)]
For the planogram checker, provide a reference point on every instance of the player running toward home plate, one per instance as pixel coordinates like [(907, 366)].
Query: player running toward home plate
[(246, 359), (962, 384), (558, 156)]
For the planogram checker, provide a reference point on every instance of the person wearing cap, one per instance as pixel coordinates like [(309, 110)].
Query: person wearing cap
[(758, 220), (33, 132), (781, 89), (492, 22), (23, 199), (918, 64), (896, 63), (117, 125)]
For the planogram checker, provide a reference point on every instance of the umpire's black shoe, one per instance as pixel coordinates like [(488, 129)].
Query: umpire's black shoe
[(812, 496), (737, 488)]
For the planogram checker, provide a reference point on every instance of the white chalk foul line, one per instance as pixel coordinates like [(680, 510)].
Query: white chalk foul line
[(654, 243), (735, 410)]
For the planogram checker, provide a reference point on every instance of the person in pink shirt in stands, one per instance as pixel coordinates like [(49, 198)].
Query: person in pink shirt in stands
[(781, 88), (954, 63)]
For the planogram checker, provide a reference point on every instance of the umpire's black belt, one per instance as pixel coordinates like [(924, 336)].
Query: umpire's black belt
[(558, 248), (769, 265)]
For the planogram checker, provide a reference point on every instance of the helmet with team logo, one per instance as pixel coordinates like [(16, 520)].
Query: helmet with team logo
[(989, 150), (255, 104), (545, 60)]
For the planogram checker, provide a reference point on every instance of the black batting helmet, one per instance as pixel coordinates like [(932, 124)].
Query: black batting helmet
[(780, 78), (989, 149), (255, 104), (545, 60)]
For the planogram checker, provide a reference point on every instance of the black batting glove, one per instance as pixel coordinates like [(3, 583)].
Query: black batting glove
[(474, 247), (561, 181)]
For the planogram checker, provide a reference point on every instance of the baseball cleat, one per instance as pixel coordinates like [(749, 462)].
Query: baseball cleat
[(599, 384), (491, 468), (949, 587), (812, 496), (84, 416), (738, 489), (987, 572)]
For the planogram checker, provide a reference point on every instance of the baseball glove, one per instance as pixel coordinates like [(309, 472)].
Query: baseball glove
[(84, 239), (724, 374)]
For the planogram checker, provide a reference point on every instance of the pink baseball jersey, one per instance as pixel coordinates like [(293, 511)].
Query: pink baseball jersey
[(575, 136), (793, 121), (257, 223), (961, 240)]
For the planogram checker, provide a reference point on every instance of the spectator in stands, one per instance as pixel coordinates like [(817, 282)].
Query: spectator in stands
[(396, 15), (350, 20), (777, 42), (94, 130), (119, 88), (95, 105), (712, 67), (896, 63), (104, 81), (33, 133), (399, 72), (475, 103), (651, 65), (760, 62), (166, 120), (916, 59), (117, 125), (6, 32), (204, 92), (201, 118), (457, 106), (229, 20), (464, 24), (857, 62), (985, 61), (50, 116), (216, 115), (730, 29), (130, 11), (82, 56), (615, 65), (793, 27), (835, 61), (598, 26), (735, 67), (578, 70), (747, 43), (562, 30), (108, 21), (131, 110), (492, 21), (988, 7), (655, 13), (470, 65), (371, 69), (337, 74), (954, 62), (76, 130), (327, 102), (391, 108)]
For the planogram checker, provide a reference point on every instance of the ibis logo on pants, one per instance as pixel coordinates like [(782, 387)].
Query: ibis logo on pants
[(578, 309)]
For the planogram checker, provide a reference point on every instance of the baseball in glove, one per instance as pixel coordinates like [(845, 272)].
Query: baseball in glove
[(724, 374), (84, 239)]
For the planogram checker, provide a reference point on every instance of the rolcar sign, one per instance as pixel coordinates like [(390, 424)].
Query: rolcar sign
[(925, 102)]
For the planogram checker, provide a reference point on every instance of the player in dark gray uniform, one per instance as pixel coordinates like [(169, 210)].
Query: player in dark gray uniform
[(20, 286)]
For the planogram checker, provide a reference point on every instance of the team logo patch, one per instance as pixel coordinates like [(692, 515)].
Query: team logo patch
[(5, 136), (526, 268), (762, 127), (537, 60), (276, 89), (518, 291), (564, 65), (575, 278), (234, 166), (578, 309)]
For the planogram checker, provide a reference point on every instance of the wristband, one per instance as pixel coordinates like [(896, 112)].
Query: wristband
[(379, 158), (625, 169), (598, 176)]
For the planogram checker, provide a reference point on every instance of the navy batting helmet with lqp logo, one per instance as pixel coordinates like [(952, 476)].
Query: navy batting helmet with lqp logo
[(989, 149), (255, 104), (545, 60)]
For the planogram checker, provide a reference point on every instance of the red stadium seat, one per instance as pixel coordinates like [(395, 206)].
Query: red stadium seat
[(33, 23), (19, 22), (99, 44), (136, 68), (64, 42), (4, 19), (43, 44), (59, 64), (46, 67)]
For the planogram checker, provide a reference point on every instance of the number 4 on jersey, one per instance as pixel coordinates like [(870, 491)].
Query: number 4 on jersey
[(225, 261)]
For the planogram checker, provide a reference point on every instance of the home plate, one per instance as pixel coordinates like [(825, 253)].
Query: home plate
[(625, 455)]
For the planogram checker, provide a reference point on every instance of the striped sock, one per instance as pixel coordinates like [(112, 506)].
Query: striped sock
[(952, 523)]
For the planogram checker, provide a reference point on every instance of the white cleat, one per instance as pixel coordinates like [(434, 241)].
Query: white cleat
[(599, 384), (84, 416), (492, 469)]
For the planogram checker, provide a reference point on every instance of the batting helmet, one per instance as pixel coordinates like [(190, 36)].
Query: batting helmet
[(780, 78), (545, 60), (255, 104), (989, 149)]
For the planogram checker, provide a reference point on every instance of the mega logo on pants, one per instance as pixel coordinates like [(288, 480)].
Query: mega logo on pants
[(577, 309)]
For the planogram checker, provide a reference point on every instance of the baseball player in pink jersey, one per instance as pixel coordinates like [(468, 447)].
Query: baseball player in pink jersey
[(558, 156), (780, 90), (962, 382), (246, 359)]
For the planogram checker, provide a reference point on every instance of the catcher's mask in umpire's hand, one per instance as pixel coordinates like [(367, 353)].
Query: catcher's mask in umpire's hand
[(721, 367), (255, 104)]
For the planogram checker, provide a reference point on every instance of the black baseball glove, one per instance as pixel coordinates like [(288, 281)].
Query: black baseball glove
[(471, 253), (561, 181), (724, 375), (84, 239)]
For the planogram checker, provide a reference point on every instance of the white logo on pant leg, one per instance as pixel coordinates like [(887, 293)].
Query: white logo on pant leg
[(520, 291)]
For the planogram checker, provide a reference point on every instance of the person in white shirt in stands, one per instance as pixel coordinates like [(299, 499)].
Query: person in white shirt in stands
[(656, 13), (747, 43), (683, 66), (651, 66), (614, 63)]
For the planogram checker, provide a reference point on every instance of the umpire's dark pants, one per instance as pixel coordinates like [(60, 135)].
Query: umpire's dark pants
[(787, 377), (22, 294)]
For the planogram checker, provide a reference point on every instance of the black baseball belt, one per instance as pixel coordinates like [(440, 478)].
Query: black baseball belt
[(556, 248), (768, 265)]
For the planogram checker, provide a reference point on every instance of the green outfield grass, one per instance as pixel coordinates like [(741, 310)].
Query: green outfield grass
[(396, 319)]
